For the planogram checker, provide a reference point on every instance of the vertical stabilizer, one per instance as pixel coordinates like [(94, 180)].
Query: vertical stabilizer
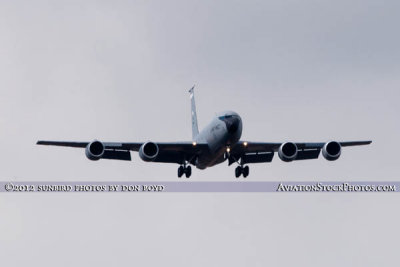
[(195, 128)]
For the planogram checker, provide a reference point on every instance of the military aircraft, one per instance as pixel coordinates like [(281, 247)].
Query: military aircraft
[(218, 142)]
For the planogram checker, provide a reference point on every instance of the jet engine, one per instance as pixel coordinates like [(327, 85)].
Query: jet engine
[(331, 150), (148, 151), (94, 150), (287, 151)]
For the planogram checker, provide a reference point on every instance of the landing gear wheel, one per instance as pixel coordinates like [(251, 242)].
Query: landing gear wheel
[(238, 171), (188, 171), (246, 171), (181, 170)]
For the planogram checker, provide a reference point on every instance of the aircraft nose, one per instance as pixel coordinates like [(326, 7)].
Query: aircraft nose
[(232, 124)]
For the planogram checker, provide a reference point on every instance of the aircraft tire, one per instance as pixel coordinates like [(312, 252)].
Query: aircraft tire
[(188, 171), (238, 171), (246, 171), (181, 170)]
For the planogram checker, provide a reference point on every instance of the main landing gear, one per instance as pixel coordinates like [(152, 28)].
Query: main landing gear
[(183, 169), (242, 170)]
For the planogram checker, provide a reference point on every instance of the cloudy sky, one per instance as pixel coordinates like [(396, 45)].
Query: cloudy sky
[(120, 71)]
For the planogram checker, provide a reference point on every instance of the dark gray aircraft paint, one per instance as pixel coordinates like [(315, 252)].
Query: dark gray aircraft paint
[(217, 142)]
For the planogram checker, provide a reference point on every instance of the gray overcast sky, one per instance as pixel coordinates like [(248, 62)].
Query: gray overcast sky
[(120, 71)]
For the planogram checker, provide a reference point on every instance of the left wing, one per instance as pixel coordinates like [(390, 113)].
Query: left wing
[(254, 152), (174, 152), (247, 146)]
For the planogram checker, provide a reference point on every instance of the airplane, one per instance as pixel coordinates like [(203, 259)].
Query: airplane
[(218, 142)]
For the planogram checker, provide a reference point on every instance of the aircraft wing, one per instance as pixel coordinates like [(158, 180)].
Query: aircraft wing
[(247, 146), (255, 152), (169, 152)]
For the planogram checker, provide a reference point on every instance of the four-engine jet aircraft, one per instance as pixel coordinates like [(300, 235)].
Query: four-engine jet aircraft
[(217, 142)]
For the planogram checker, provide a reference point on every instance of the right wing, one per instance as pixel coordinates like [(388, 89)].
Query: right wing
[(169, 152)]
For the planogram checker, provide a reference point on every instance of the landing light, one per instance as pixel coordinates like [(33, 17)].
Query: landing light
[(228, 149), (245, 143), (194, 143)]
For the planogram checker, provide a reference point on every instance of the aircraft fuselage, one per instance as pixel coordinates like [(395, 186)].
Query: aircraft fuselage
[(222, 132)]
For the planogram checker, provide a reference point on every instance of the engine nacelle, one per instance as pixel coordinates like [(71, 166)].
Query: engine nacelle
[(287, 151), (148, 151), (332, 150), (94, 150)]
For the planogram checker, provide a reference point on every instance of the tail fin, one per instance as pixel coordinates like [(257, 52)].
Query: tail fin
[(195, 128)]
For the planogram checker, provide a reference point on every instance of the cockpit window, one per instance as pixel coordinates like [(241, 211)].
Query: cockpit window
[(225, 117), (231, 121)]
